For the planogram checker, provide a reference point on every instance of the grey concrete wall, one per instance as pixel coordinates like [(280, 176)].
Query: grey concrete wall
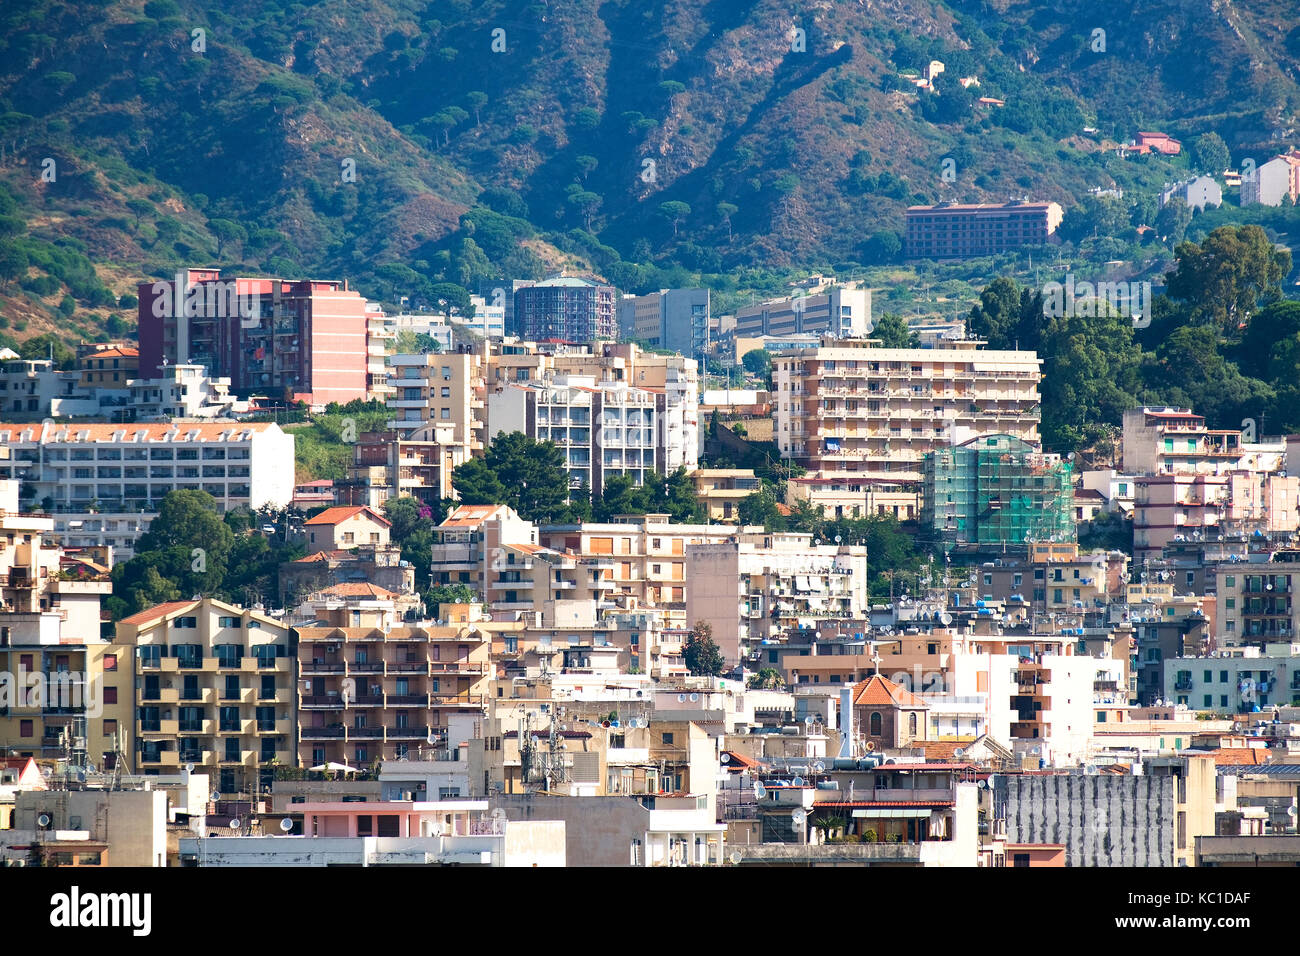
[(1102, 820)]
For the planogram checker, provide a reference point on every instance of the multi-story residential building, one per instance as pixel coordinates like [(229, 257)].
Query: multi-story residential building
[(997, 490), (96, 473), (108, 366), (566, 309), (958, 231), (1236, 680), (757, 586), (381, 340), (603, 428), (1256, 604), (303, 339), (495, 552), (1055, 583), (374, 689), (437, 390), (871, 415), (32, 389), (648, 554), (1273, 181), (216, 689), (65, 691), (1198, 192), (1171, 508), (489, 318), (1162, 440), (838, 311), (676, 319), (183, 391)]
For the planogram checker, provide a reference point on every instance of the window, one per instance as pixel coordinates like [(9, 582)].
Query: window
[(444, 413), (25, 728), (446, 392), (110, 728), (185, 622), (911, 724), (1020, 859), (110, 695), (668, 738), (110, 662), (875, 723)]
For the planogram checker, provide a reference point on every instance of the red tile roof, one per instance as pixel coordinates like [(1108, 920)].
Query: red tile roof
[(344, 512), (877, 691), (359, 589), (1240, 756), (159, 611)]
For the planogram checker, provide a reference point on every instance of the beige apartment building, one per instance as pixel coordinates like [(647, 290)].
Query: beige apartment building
[(375, 689), (648, 554), (215, 689), (65, 692), (870, 415), (439, 389), (757, 585), (721, 490), (1164, 440)]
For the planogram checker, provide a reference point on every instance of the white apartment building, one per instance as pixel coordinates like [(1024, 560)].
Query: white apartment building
[(380, 341), (603, 428), (92, 471), (184, 391), (1273, 181), (839, 311), (755, 586), (33, 388), (1164, 440), (489, 318)]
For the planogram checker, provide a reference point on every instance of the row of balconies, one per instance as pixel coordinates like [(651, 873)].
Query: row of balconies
[(246, 726)]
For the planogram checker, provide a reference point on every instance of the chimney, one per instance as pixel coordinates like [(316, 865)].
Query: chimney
[(846, 722)]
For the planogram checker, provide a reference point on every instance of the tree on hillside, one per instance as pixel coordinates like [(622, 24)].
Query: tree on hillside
[(725, 211), (702, 656), (1228, 276), (225, 230), (1172, 220), (1008, 316), (674, 211), (1210, 154), (1090, 377)]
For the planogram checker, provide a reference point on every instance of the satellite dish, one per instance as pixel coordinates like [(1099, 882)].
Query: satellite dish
[(681, 698), (725, 758), (983, 784), (797, 781), (809, 721), (760, 791), (736, 857), (234, 823), (215, 796), (871, 745), (43, 820), (431, 739), (958, 752), (1035, 749), (1291, 811), (694, 697), (799, 817), (189, 768), (991, 780), (819, 767), (286, 824)]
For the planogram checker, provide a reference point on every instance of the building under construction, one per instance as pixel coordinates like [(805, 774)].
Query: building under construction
[(997, 490)]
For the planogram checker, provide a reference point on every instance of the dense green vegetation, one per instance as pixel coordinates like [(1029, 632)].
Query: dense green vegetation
[(1221, 340), (192, 548), (429, 147)]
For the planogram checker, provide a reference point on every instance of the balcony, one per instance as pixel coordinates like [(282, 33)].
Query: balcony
[(322, 667), (365, 733), (321, 702), (322, 733), (164, 728), (366, 667), (407, 733), (408, 700)]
